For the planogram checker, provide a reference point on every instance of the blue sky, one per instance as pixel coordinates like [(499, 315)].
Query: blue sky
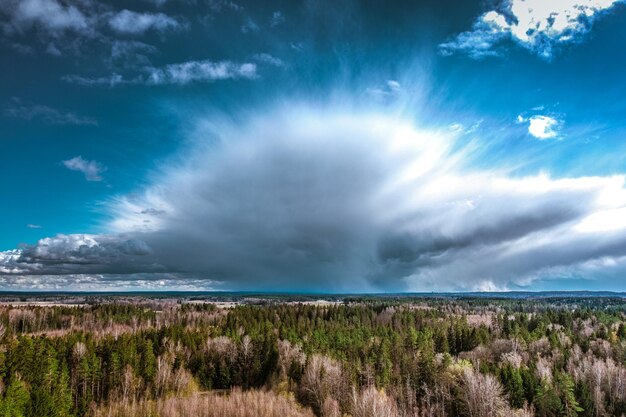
[(313, 145)]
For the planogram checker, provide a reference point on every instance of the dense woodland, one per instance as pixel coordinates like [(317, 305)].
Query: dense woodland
[(363, 357)]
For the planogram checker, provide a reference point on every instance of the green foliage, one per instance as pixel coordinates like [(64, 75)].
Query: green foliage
[(565, 386), (513, 383), (16, 399), (148, 362), (584, 399), (547, 402)]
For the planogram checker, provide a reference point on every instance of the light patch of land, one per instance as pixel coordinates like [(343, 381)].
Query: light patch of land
[(41, 304)]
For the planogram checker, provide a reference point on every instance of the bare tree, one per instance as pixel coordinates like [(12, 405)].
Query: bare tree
[(483, 395), (322, 378), (130, 385), (289, 354), (163, 375), (331, 408), (373, 403)]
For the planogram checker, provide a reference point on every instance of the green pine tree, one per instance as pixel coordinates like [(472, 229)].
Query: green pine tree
[(16, 399), (565, 384)]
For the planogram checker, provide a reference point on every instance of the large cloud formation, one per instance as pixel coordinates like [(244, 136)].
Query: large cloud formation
[(309, 199), (537, 25)]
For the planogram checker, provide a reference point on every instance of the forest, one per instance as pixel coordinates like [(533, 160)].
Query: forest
[(356, 356)]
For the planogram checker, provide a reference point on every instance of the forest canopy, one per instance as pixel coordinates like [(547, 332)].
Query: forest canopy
[(359, 357)]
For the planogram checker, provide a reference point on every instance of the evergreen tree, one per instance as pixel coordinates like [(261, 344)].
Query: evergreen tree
[(148, 362), (565, 385), (585, 400), (514, 385), (547, 402), (62, 395), (16, 400)]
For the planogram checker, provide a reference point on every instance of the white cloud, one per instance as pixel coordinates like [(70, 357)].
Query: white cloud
[(91, 169), (186, 72), (127, 21), (50, 15), (8, 261), (62, 27), (542, 127), (478, 44), (604, 221), (33, 226), (537, 25)]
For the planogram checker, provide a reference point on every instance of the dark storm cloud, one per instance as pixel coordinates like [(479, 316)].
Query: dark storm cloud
[(80, 254), (423, 248)]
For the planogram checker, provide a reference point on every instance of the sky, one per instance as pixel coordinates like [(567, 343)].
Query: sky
[(313, 145)]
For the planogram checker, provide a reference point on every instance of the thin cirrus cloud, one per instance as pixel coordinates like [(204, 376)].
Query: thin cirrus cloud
[(187, 72), (221, 5), (537, 25), (133, 52), (18, 109), (269, 59), (180, 73), (332, 199), (249, 26), (92, 170), (391, 88), (108, 80)]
